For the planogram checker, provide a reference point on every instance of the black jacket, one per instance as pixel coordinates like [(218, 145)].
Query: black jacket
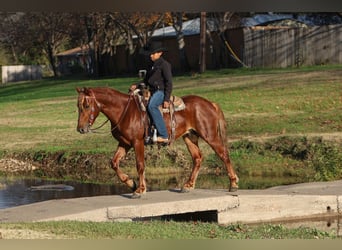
[(160, 78)]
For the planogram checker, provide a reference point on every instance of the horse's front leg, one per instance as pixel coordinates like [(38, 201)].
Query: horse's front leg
[(119, 154), (139, 148)]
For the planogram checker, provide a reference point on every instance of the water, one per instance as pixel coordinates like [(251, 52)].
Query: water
[(17, 191), (22, 191), (326, 223)]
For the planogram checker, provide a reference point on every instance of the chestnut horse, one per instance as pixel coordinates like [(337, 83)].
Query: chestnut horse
[(200, 119)]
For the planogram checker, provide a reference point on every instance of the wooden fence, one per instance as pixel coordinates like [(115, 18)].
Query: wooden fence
[(16, 73), (285, 47)]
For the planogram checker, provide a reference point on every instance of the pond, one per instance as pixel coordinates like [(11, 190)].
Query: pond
[(16, 191)]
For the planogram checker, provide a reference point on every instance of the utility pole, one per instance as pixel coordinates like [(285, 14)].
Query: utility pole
[(202, 60)]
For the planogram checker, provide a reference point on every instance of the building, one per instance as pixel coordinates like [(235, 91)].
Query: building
[(262, 40)]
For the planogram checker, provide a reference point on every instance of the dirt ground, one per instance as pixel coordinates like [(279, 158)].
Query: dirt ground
[(15, 165)]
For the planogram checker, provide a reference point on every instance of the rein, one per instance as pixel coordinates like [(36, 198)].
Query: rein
[(94, 130)]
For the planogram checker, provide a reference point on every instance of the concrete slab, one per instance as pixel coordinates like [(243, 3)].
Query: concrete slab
[(281, 203), (122, 207), (267, 208), (200, 200)]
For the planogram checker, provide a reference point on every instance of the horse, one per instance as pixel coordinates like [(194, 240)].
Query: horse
[(200, 118)]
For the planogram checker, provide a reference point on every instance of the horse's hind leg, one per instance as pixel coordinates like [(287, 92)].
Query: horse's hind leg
[(221, 150), (191, 141), (119, 154), (218, 142), (231, 173)]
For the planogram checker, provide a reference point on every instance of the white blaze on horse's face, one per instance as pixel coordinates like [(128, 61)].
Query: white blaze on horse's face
[(86, 113)]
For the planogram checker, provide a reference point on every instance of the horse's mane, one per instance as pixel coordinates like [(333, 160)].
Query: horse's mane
[(106, 90)]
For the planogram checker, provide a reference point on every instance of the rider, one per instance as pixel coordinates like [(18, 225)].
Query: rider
[(159, 80)]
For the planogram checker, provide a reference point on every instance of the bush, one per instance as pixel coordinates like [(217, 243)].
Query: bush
[(323, 157), (326, 160), (295, 147)]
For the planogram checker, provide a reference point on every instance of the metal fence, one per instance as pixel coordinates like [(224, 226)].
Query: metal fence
[(18, 73), (284, 47)]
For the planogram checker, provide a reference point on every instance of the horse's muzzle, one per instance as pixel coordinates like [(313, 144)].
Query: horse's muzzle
[(83, 130)]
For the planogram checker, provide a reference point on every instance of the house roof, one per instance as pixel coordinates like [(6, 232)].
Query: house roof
[(191, 27), (305, 19), (75, 51), (261, 19)]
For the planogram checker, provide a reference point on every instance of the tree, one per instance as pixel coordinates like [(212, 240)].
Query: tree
[(32, 34), (138, 24), (225, 20), (12, 28), (177, 23), (51, 31), (94, 24)]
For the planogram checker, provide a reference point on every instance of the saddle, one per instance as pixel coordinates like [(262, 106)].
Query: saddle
[(143, 95)]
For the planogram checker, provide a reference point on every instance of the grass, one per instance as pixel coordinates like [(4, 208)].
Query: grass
[(255, 103), (167, 230), (39, 118)]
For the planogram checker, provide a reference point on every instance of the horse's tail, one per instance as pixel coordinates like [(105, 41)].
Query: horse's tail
[(221, 125)]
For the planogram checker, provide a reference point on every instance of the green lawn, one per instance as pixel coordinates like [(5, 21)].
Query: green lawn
[(42, 115)]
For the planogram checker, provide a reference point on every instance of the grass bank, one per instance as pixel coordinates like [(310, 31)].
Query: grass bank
[(157, 230)]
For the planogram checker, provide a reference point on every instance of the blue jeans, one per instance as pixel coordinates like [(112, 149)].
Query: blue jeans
[(156, 100)]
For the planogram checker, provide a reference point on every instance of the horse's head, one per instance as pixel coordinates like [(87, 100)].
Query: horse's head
[(88, 109)]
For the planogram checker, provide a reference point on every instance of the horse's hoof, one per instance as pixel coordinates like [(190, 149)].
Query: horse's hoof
[(136, 196), (185, 190), (134, 187)]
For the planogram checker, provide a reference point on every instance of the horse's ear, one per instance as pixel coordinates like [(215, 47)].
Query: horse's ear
[(86, 91), (79, 90), (83, 90)]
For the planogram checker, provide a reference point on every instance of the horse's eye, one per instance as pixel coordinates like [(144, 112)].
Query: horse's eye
[(86, 105)]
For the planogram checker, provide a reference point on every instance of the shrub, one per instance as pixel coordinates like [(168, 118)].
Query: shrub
[(326, 160)]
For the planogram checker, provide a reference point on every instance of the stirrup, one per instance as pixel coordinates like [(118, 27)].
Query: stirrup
[(162, 140)]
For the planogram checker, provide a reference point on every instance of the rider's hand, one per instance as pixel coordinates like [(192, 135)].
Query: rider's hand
[(133, 87), (166, 104)]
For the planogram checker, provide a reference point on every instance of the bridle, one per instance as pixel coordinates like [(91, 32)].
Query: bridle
[(92, 114)]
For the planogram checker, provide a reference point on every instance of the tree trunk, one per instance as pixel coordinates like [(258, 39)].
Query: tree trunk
[(50, 53), (178, 26), (202, 61), (14, 54), (131, 50)]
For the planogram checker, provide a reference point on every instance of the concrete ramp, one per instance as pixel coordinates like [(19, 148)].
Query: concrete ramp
[(244, 206), (174, 203), (123, 208)]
